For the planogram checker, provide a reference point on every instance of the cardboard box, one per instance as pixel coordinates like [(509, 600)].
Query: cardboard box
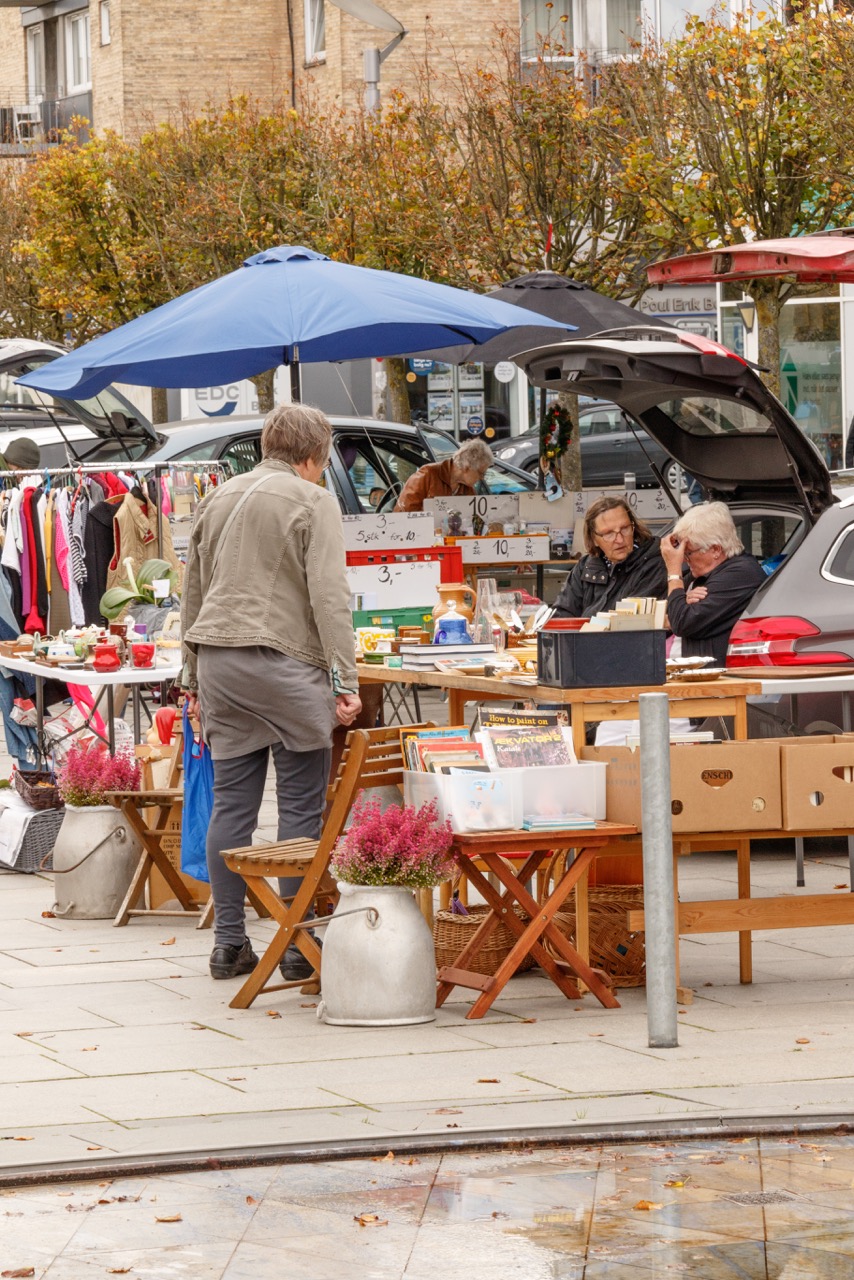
[(718, 786), (817, 775)]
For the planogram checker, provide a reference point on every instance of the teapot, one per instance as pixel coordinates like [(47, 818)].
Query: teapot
[(455, 595), (61, 647), (452, 628)]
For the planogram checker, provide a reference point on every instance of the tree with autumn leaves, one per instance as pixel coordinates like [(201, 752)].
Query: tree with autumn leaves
[(725, 134)]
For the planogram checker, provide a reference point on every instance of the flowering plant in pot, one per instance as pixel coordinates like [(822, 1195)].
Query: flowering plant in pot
[(379, 963), (90, 772), (95, 855), (399, 845)]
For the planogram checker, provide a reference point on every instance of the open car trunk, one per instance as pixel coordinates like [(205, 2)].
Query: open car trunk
[(705, 406)]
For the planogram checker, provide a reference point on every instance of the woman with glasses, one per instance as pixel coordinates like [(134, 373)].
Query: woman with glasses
[(623, 559), (706, 599)]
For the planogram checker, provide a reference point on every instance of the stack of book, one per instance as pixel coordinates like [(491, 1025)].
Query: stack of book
[(556, 822), (441, 750), (421, 657), (634, 613), (520, 739)]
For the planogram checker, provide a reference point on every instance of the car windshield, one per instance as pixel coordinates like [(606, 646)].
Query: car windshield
[(710, 416), (441, 444)]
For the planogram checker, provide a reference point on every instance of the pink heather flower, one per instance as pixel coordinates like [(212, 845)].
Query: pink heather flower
[(90, 772), (403, 846)]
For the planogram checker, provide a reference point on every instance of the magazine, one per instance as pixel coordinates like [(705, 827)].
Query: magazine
[(521, 746), (409, 739), (534, 718)]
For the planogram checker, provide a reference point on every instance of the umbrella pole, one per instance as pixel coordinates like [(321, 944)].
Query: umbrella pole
[(296, 397)]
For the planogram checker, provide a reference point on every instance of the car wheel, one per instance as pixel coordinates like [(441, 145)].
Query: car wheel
[(674, 477), (532, 467)]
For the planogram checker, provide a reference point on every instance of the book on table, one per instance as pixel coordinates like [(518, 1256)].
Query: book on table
[(525, 746), (410, 738)]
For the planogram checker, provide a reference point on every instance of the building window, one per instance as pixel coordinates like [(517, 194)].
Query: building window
[(547, 30), (77, 65), (623, 27), (315, 31), (35, 63), (104, 11)]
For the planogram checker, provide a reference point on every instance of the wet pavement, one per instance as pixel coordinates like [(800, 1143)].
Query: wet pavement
[(742, 1209)]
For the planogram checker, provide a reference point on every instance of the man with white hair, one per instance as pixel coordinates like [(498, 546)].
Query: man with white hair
[(455, 476), (705, 601)]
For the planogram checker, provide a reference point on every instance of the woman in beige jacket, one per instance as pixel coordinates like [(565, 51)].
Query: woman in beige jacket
[(269, 654)]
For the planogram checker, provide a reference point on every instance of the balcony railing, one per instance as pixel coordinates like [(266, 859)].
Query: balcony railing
[(26, 125)]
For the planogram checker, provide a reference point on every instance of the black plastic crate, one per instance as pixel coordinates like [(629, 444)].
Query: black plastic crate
[(600, 659)]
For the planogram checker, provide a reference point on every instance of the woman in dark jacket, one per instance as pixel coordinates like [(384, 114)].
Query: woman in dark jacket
[(704, 604), (623, 559)]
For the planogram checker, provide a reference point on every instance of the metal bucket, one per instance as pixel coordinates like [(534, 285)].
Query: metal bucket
[(379, 963), (94, 859)]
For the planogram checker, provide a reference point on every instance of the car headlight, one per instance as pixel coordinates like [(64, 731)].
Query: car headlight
[(507, 453)]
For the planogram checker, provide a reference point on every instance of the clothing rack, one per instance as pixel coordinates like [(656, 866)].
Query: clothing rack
[(141, 467)]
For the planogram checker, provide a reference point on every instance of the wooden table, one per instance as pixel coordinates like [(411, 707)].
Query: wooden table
[(490, 848), (722, 697)]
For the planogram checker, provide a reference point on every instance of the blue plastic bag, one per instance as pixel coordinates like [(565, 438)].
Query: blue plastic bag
[(198, 803)]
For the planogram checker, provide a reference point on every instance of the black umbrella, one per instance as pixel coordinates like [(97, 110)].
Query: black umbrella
[(554, 296)]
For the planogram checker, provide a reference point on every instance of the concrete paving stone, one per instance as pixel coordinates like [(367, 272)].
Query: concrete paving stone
[(30, 1066), (120, 947), (123, 1226), (18, 1021), (205, 1261), (295, 1183), (267, 1262), (85, 975), (451, 1248), (116, 1051)]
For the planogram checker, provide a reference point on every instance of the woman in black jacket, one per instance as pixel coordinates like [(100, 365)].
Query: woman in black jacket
[(704, 603), (623, 559)]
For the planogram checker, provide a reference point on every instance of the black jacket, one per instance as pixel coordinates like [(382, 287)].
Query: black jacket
[(705, 626), (596, 584)]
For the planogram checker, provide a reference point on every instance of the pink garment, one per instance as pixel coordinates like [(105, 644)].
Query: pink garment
[(84, 700), (165, 499), (60, 547)]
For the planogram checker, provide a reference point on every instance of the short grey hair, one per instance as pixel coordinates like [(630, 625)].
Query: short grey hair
[(296, 433), (709, 524), (474, 454)]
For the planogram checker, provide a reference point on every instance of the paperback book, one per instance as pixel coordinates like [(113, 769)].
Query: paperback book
[(524, 746)]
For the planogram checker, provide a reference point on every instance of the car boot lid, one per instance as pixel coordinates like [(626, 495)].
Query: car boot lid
[(705, 405)]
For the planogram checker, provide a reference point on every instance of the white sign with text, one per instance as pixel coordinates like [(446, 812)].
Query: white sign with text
[(499, 508), (524, 548), (405, 585), (397, 529)]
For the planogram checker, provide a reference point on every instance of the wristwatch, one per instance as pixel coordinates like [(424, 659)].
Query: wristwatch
[(674, 577)]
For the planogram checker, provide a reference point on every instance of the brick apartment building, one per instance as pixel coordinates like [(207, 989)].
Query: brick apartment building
[(123, 63)]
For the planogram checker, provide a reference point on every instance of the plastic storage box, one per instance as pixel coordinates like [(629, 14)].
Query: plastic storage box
[(394, 618), (470, 801), (600, 659), (549, 791)]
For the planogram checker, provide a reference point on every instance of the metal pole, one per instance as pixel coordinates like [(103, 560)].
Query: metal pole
[(658, 893)]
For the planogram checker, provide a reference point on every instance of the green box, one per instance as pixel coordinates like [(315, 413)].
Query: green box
[(412, 617)]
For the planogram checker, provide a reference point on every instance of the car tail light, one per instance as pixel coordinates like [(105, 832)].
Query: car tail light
[(772, 642)]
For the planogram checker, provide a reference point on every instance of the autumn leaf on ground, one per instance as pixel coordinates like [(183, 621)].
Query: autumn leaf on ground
[(94, 1148), (251, 1200), (676, 1182), (370, 1220), (647, 1205), (46, 915), (273, 1013), (20, 1271), (452, 1126), (447, 1111), (173, 1217), (488, 1080), (118, 1271), (168, 942), (840, 886), (529, 1019), (802, 1040), (309, 1005), (23, 1034), (386, 1159)]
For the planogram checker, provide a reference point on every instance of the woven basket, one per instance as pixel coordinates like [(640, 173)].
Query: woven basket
[(37, 797), (452, 932), (39, 839), (613, 948)]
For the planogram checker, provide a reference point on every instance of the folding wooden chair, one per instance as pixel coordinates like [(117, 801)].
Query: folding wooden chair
[(372, 758)]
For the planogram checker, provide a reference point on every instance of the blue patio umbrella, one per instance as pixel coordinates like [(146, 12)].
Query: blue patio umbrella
[(281, 306)]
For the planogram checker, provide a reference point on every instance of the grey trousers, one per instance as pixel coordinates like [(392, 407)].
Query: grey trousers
[(301, 778)]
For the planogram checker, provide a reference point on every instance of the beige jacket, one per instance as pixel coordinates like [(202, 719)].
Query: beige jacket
[(278, 580)]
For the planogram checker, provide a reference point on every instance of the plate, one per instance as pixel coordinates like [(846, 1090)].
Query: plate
[(710, 673), (686, 664)]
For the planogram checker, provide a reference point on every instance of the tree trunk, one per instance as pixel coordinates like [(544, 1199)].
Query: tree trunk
[(769, 304), (159, 405), (570, 463), (396, 391), (264, 386)]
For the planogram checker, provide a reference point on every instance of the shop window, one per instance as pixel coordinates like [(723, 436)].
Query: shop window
[(315, 31), (104, 17), (811, 374)]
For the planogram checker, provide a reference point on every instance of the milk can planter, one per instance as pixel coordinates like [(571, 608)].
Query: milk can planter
[(95, 854), (379, 962)]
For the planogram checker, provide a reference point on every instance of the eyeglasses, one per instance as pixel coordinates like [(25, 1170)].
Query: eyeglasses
[(625, 531)]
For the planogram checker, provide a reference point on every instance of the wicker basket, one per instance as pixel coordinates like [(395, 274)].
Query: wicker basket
[(618, 952), (39, 839), (29, 785), (452, 932)]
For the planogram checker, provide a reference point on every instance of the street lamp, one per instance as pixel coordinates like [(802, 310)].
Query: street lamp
[(747, 311), (375, 16)]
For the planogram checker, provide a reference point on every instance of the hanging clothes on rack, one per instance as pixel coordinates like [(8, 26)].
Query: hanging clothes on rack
[(135, 534)]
